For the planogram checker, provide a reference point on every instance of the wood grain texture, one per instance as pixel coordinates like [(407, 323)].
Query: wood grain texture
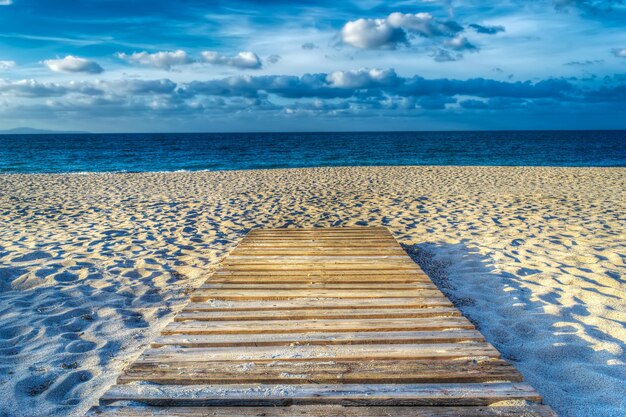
[(329, 338), (316, 325), (245, 395), (320, 372), (324, 411)]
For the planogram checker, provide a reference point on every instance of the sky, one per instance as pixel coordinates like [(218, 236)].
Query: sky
[(200, 66)]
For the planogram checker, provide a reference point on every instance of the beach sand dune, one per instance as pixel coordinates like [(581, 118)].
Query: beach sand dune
[(92, 266)]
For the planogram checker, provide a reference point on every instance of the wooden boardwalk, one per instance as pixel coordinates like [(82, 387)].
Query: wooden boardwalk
[(320, 322)]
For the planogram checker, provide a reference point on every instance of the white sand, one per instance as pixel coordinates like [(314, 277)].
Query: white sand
[(93, 266)]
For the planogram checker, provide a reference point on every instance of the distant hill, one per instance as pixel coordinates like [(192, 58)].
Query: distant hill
[(31, 131)]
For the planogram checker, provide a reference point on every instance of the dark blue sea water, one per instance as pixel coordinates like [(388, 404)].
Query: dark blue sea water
[(217, 151)]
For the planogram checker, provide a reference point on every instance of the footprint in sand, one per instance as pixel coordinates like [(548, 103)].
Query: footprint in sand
[(80, 346), (64, 391), (32, 256), (13, 332), (34, 385), (65, 276)]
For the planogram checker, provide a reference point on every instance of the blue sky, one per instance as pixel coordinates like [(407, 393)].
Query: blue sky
[(127, 66)]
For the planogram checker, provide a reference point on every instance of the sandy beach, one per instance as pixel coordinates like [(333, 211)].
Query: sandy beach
[(92, 266)]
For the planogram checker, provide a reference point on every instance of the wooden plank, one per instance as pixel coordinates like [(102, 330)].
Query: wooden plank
[(324, 411), (210, 285), (312, 269), (297, 326), (320, 236), (203, 295), (318, 303), (330, 230), (323, 276), (320, 352), (320, 231), (321, 266), (332, 258), (309, 279), (327, 274), (366, 245), (330, 338), (317, 314), (321, 372), (355, 235), (325, 241), (321, 251), (318, 228), (344, 394)]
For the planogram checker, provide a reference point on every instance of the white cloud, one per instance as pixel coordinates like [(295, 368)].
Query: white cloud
[(619, 52), (372, 34), (73, 64), (363, 78), (423, 24), (6, 2), (163, 59), (395, 29), (460, 43), (7, 65), (243, 60)]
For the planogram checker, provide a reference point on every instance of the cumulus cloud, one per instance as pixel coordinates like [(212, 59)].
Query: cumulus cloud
[(362, 78), (460, 43), (372, 34), (619, 52), (6, 65), (73, 64), (162, 59), (424, 24), (36, 89), (243, 60), (442, 37), (6, 2), (486, 30), (395, 30)]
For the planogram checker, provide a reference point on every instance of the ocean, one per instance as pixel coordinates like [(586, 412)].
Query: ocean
[(60, 153)]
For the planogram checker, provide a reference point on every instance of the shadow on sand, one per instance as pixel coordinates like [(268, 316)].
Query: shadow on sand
[(548, 341)]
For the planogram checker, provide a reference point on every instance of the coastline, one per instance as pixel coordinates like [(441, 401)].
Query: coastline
[(94, 264)]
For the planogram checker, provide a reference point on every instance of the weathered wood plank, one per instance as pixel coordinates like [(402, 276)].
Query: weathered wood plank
[(320, 352), (320, 251), (203, 295), (318, 303), (312, 279), (330, 338), (320, 325), (318, 285), (321, 230), (327, 274), (344, 394), (317, 314), (324, 411), (313, 267), (318, 228), (321, 372)]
